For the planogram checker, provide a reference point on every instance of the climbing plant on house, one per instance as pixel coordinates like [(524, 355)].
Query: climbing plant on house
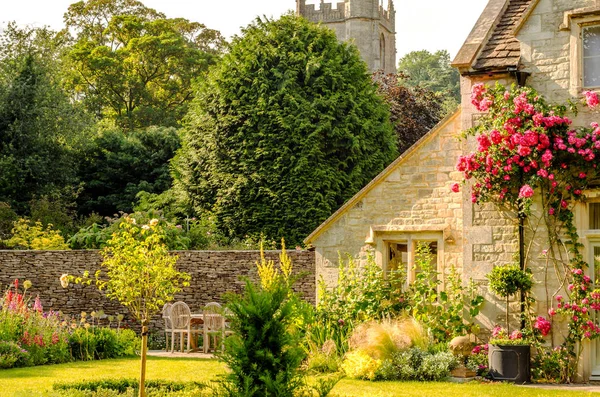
[(527, 150)]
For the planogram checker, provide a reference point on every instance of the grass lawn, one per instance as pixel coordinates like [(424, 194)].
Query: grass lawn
[(23, 382)]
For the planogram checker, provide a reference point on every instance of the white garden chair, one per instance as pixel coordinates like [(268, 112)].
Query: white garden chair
[(181, 322), (166, 315), (214, 324)]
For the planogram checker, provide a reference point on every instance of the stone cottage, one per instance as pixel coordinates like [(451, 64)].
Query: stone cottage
[(535, 42)]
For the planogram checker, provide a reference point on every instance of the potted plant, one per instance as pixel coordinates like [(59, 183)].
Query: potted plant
[(509, 353)]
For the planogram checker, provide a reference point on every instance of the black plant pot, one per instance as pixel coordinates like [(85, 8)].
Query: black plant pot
[(509, 363)]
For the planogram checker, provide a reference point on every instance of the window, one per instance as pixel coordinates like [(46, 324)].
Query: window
[(591, 56), (594, 216), (401, 257)]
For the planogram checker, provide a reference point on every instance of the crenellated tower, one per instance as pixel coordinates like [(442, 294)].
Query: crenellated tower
[(366, 22)]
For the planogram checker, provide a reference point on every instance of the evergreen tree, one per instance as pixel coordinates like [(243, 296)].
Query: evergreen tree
[(284, 130), (38, 126)]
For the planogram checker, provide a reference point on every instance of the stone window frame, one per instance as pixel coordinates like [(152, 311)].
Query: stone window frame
[(575, 21), (382, 247)]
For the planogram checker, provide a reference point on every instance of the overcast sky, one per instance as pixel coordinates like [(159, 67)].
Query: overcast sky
[(420, 24)]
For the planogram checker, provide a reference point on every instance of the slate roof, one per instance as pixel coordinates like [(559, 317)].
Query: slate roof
[(502, 49)]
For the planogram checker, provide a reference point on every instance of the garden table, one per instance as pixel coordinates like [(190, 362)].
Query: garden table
[(197, 320)]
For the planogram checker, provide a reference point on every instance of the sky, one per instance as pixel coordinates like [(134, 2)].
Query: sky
[(420, 24)]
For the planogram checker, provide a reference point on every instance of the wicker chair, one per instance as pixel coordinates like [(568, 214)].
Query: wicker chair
[(214, 324), (166, 315), (181, 322)]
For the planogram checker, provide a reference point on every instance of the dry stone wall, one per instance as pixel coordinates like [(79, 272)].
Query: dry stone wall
[(213, 273)]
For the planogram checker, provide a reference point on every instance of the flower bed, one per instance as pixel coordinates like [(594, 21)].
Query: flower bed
[(29, 336)]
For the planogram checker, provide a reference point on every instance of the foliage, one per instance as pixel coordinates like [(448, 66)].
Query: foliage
[(154, 387), (133, 65), (477, 361), (360, 295), (39, 126), (57, 210), (285, 129), (12, 355), (99, 343), (140, 273), (7, 219), (432, 72), (526, 146), (446, 313), (30, 235), (411, 364), (263, 354), (360, 365), (509, 279), (551, 365), (414, 111), (116, 166)]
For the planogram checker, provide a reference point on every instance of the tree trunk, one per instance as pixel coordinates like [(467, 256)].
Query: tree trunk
[(143, 356), (507, 317)]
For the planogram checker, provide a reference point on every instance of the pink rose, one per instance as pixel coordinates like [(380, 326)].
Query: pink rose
[(591, 98), (455, 187), (526, 191)]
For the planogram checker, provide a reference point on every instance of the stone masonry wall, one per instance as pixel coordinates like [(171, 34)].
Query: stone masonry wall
[(414, 198), (213, 273)]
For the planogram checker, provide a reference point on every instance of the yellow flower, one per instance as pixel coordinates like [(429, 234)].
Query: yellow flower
[(26, 284), (146, 227), (153, 222)]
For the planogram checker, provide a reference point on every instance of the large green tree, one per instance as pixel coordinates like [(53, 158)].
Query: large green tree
[(413, 110), (432, 71), (39, 126), (114, 167), (132, 65), (284, 130)]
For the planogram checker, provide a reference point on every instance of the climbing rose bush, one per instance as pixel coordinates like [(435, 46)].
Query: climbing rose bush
[(527, 145), (527, 148)]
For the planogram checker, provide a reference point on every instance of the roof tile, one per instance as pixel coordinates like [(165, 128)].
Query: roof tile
[(502, 48)]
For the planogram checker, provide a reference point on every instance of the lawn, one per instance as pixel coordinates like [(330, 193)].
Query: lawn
[(33, 381)]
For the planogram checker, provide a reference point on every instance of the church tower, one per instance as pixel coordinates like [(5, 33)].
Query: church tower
[(366, 22)]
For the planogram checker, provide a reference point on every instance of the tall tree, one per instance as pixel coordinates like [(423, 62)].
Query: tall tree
[(39, 126), (115, 167), (432, 72), (413, 110), (132, 65), (283, 131)]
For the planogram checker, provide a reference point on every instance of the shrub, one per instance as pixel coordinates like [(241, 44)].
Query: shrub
[(12, 355), (446, 313), (477, 361), (33, 236), (360, 295), (360, 365), (417, 364), (98, 343), (322, 362), (263, 354), (551, 365)]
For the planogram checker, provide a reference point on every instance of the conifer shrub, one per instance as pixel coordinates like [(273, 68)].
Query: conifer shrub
[(263, 354)]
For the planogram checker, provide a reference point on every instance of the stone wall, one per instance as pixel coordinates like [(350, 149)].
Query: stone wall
[(213, 273)]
